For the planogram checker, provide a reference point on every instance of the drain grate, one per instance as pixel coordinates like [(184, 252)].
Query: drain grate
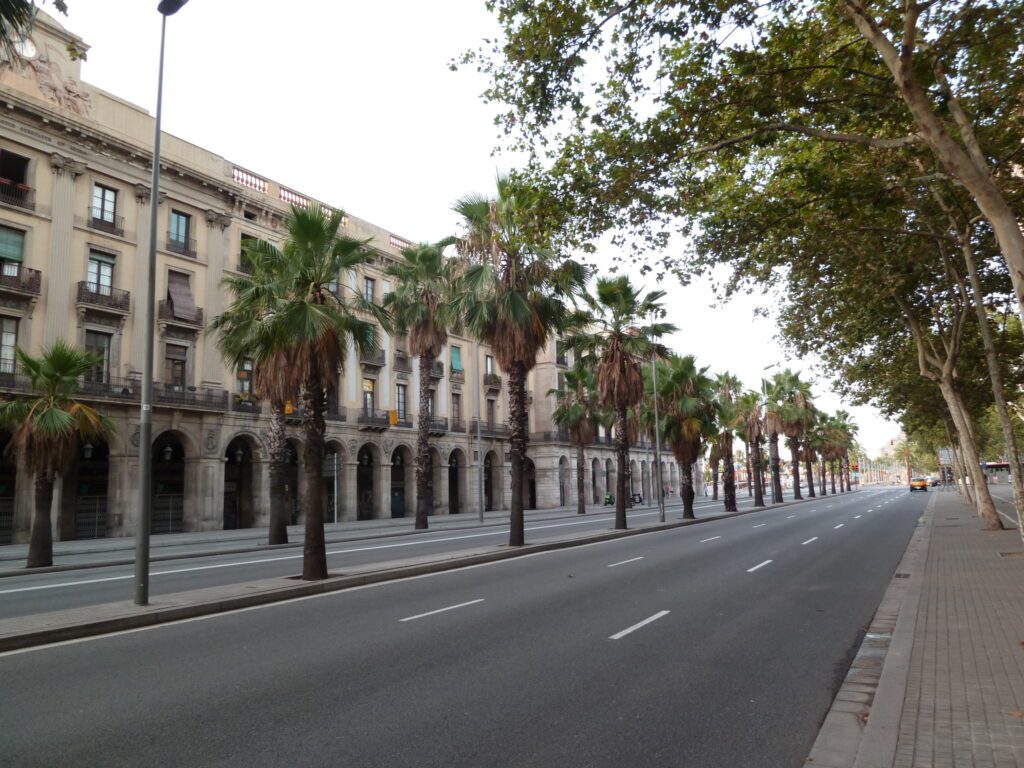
[(1011, 554), (902, 576)]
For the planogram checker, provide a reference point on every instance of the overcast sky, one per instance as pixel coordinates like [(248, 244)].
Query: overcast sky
[(354, 104)]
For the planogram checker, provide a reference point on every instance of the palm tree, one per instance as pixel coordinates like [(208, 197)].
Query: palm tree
[(577, 413), (513, 296), (773, 426), (748, 407), (813, 414), (620, 345), (48, 425), (728, 416), (301, 341), (795, 413), (714, 459), (688, 394), (845, 431), (422, 305)]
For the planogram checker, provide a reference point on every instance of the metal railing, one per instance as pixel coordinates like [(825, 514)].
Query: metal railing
[(91, 517), (190, 397), (16, 193), (402, 362), (490, 428), (372, 358), (437, 371), (374, 417), (604, 440), (456, 425), (165, 311), (100, 385), (104, 296), (21, 279), (492, 381), (113, 225), (439, 425), (549, 436), (335, 412), (243, 404), (457, 375), (184, 246)]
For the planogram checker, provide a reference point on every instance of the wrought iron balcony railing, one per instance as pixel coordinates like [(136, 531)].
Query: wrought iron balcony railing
[(16, 193), (18, 279), (103, 222), (186, 246), (492, 381), (103, 296), (165, 312), (190, 397)]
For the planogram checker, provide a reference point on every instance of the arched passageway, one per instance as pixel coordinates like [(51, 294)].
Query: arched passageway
[(595, 473), (334, 463), (8, 486), (609, 477), (168, 484), (492, 481), (366, 486), (293, 449), (529, 484), (90, 486), (456, 482), (239, 497), (563, 481), (645, 481), (402, 469)]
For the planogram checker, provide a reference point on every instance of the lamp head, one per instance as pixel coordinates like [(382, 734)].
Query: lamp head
[(170, 7), (87, 451)]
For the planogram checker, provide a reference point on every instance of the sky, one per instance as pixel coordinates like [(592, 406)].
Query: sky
[(355, 104)]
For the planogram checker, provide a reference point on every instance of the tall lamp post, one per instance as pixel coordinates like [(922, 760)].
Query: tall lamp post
[(145, 506), (657, 440)]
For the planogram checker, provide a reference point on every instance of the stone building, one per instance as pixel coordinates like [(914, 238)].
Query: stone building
[(75, 165)]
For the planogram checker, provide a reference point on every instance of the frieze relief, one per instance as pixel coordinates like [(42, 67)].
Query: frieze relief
[(44, 67)]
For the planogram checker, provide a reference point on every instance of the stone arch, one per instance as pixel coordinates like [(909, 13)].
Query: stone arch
[(293, 479), (174, 482), (645, 481), (458, 488), (403, 474), (243, 477), (8, 489), (609, 477), (437, 483), (368, 481), (529, 484), (595, 482), (564, 491)]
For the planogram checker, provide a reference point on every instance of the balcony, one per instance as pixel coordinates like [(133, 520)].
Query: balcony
[(561, 360), (101, 386), (375, 359), (104, 297), (244, 403), (492, 381), (20, 280), (438, 426), (184, 246), (491, 429), (372, 419), (456, 425), (604, 440), (13, 379), (202, 398), (244, 266), (17, 194), (457, 376), (335, 412), (437, 372), (559, 436), (112, 225), (165, 313), (404, 420), (402, 362)]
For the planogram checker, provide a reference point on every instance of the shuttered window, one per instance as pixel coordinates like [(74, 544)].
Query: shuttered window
[(12, 245), (456, 358), (179, 292)]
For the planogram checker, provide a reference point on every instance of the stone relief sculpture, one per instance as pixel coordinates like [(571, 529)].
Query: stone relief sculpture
[(42, 67)]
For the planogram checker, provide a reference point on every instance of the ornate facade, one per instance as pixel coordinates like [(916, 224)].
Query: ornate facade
[(75, 165)]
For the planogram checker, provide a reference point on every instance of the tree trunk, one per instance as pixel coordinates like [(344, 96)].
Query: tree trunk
[(773, 452), (965, 430), (995, 376), (40, 543), (517, 447), (794, 459), (839, 461), (276, 452), (423, 467), (750, 479), (832, 474), (961, 474), (581, 468), (807, 469), (846, 466), (758, 482), (686, 489), (714, 481), (622, 454), (728, 475), (314, 550)]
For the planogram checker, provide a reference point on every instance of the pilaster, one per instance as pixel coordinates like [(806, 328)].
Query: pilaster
[(217, 245), (140, 288), (59, 284)]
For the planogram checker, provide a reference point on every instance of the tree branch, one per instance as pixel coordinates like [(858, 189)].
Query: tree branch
[(818, 133)]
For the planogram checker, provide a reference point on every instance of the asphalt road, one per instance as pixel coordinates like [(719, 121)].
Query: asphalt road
[(34, 593), (718, 644)]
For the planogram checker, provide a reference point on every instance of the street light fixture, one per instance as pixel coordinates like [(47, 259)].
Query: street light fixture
[(145, 506)]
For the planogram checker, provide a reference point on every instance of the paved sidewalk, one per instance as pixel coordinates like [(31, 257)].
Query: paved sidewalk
[(948, 690)]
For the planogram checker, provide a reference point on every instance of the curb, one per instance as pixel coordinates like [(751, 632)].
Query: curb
[(861, 728), (274, 592)]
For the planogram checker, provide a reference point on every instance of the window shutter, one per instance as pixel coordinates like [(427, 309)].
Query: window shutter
[(180, 293), (456, 359), (12, 244)]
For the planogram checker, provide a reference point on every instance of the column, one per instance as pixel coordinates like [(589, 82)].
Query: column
[(217, 243), (348, 509), (140, 287), (59, 283), (382, 490), (442, 494)]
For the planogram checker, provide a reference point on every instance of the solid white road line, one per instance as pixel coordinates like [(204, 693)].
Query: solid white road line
[(856, 517), (759, 565), (813, 538), (837, 527), (623, 562), (702, 541), (759, 525), (789, 516), (442, 610), (635, 627)]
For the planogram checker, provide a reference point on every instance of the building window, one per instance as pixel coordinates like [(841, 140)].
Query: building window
[(561, 358), (245, 373), (431, 403), (8, 342), (175, 357), (12, 247), (456, 359), (488, 364), (491, 411), (104, 203), (401, 395), (14, 188), (100, 273), (181, 226), (369, 401), (456, 408), (97, 343), (244, 260), (369, 288)]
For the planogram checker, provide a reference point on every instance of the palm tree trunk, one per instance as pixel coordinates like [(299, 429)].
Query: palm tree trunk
[(276, 445), (622, 454), (314, 549), (807, 469), (40, 543), (728, 476), (794, 460), (517, 444), (423, 468), (758, 481), (686, 490), (773, 448), (822, 477), (714, 481), (840, 462), (832, 474), (750, 479), (581, 469), (846, 465)]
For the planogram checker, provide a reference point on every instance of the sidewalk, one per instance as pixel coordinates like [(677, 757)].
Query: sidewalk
[(939, 679)]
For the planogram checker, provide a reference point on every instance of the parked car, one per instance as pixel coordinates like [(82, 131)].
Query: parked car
[(919, 484), (933, 481)]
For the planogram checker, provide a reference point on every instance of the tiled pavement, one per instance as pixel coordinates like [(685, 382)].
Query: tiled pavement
[(939, 679)]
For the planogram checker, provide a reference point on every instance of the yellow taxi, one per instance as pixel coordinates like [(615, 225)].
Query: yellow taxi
[(919, 484)]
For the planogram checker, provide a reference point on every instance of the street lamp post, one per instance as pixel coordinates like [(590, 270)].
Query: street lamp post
[(657, 441), (145, 506), (479, 454)]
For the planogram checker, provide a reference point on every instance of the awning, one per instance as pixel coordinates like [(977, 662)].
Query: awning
[(456, 359), (180, 294), (12, 244)]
